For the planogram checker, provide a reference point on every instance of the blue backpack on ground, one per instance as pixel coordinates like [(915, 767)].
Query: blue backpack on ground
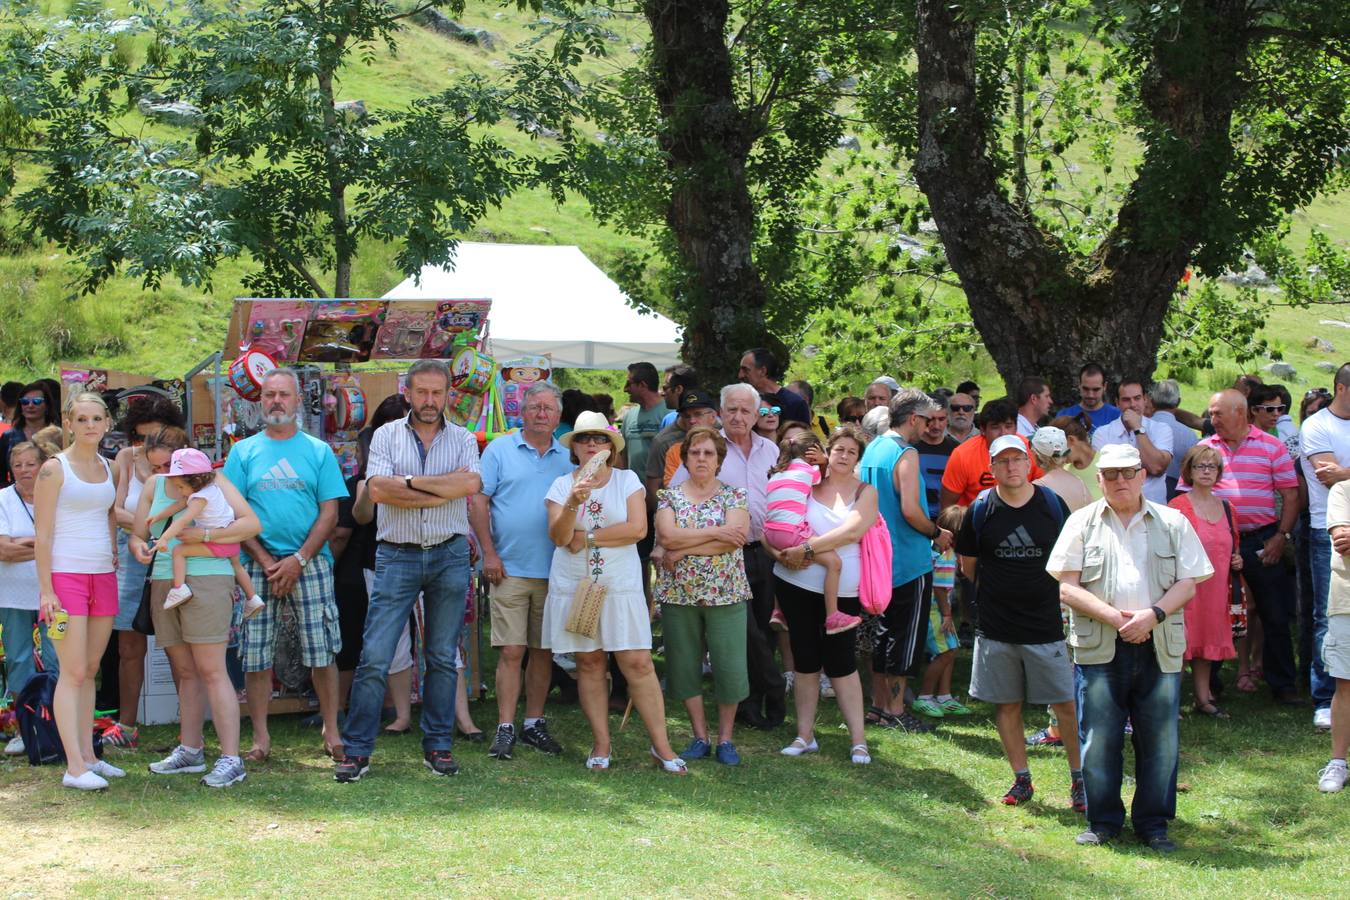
[(980, 508), (37, 725)]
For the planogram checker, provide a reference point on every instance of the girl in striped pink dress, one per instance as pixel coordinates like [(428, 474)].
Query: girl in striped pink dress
[(785, 525)]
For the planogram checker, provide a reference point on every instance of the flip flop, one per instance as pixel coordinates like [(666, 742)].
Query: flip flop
[(258, 754), (1246, 684)]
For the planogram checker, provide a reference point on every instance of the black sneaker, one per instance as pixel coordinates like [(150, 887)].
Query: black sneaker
[(913, 724), (503, 742), (351, 768), (1161, 843), (440, 762), (537, 736), (1020, 792)]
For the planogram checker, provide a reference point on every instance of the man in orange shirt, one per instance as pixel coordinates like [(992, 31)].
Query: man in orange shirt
[(968, 468)]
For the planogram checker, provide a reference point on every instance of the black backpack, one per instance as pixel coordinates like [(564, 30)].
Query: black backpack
[(37, 725)]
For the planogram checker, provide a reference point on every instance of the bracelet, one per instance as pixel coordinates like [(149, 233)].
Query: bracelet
[(206, 536), (571, 508)]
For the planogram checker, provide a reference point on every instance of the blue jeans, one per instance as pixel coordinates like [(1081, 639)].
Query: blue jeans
[(1276, 597), (16, 625), (1319, 553), (1129, 685), (441, 575)]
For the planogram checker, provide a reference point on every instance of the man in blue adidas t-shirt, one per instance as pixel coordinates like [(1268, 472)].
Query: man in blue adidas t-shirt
[(1020, 655), (1092, 391), (293, 483)]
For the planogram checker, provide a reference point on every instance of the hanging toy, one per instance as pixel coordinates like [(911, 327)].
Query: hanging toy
[(248, 371)]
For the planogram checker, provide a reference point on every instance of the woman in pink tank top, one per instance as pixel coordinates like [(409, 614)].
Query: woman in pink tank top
[(77, 579)]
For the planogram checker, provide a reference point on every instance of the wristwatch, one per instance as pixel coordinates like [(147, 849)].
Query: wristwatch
[(1288, 536), (299, 557), (407, 479), (1158, 611), (1140, 431), (807, 552)]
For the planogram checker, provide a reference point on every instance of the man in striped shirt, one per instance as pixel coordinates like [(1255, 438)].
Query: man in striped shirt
[(420, 472), (1257, 468)]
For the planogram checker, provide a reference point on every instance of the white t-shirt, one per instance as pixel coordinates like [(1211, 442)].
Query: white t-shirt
[(1322, 432), (1159, 434), (218, 512), (823, 519), (18, 581)]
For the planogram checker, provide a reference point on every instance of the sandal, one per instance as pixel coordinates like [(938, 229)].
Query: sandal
[(674, 766), (1209, 709), (597, 763), (860, 755), (335, 752), (880, 718), (1246, 684), (258, 754)]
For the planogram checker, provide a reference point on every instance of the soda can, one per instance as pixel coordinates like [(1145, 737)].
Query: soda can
[(56, 627)]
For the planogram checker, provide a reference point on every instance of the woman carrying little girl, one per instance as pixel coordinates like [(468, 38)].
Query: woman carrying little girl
[(191, 482)]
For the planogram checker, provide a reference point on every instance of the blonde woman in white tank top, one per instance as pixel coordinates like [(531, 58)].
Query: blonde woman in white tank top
[(76, 563)]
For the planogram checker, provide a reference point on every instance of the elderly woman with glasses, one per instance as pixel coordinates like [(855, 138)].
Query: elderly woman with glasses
[(1209, 629), (596, 516)]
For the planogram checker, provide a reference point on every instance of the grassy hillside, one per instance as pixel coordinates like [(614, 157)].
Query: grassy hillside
[(165, 332)]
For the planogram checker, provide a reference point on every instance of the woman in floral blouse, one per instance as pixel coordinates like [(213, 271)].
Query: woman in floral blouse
[(703, 591)]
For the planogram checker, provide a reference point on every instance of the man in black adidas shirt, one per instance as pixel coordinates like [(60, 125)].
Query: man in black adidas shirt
[(1020, 655)]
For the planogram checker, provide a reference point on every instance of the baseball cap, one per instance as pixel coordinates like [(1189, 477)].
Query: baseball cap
[(1050, 441), (696, 398), (1006, 442), (188, 461), (1118, 456)]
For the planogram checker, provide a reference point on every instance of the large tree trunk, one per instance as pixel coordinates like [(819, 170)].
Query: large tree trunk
[(1039, 311), (707, 137)]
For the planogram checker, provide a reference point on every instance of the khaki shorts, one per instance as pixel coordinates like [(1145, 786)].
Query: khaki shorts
[(1336, 647), (203, 619), (518, 612)]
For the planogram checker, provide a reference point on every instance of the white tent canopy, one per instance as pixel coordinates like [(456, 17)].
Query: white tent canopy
[(549, 300)]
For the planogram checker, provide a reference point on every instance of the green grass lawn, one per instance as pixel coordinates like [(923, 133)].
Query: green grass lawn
[(923, 820)]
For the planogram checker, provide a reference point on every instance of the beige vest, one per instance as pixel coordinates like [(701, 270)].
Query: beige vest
[(1095, 643)]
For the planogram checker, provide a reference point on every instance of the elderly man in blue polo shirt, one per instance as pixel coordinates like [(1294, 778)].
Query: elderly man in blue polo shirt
[(421, 472), (511, 522)]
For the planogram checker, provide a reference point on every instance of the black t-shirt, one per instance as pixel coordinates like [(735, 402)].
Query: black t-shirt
[(360, 552), (1016, 600)]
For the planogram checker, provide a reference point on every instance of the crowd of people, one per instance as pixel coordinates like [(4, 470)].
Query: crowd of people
[(1083, 556)]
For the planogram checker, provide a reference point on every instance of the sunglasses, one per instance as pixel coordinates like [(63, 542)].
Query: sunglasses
[(1271, 409), (770, 410), (854, 420), (963, 407), (1317, 392), (590, 438), (32, 401), (1113, 474)]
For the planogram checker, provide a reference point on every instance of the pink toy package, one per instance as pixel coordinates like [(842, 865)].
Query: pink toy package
[(276, 327)]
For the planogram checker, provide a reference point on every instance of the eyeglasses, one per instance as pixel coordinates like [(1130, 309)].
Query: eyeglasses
[(1317, 392), (1271, 409), (590, 438), (770, 410), (1113, 474), (1205, 467), (850, 420), (540, 407), (32, 401), (963, 407)]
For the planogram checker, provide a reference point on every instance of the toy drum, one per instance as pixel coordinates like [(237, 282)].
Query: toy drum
[(351, 408), (472, 371), (248, 371)]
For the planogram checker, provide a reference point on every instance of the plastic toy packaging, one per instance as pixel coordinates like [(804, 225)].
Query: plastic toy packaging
[(342, 330), (407, 325), (275, 327), (455, 319), (517, 376)]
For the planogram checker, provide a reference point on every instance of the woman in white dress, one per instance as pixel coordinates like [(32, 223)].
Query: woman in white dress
[(595, 524)]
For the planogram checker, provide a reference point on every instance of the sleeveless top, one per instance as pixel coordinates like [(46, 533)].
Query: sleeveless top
[(134, 488), (81, 541), (823, 519)]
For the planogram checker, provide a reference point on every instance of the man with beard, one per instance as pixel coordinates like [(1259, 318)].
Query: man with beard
[(421, 471), (961, 417), (293, 483)]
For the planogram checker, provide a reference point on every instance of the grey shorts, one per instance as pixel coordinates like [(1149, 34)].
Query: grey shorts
[(1336, 647), (1021, 673)]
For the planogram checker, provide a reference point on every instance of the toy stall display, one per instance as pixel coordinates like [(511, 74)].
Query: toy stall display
[(342, 330), (518, 376), (457, 324), (131, 389), (407, 325)]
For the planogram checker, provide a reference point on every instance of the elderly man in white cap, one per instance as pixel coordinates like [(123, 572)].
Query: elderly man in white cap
[(1020, 655), (880, 392), (1126, 566)]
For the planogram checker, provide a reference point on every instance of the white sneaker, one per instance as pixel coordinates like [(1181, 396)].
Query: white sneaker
[(182, 761), (15, 746), (176, 596), (1322, 718), (1332, 778), (826, 689), (253, 605), (89, 781), (107, 769), (799, 747)]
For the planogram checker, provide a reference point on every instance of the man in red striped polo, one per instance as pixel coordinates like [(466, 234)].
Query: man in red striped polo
[(1257, 469)]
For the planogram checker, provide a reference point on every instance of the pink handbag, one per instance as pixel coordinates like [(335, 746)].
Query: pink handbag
[(874, 569)]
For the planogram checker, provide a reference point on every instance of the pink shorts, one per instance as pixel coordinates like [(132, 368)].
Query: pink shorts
[(86, 595), (781, 536), (221, 551)]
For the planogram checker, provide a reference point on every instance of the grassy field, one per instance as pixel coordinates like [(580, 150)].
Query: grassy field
[(923, 820)]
